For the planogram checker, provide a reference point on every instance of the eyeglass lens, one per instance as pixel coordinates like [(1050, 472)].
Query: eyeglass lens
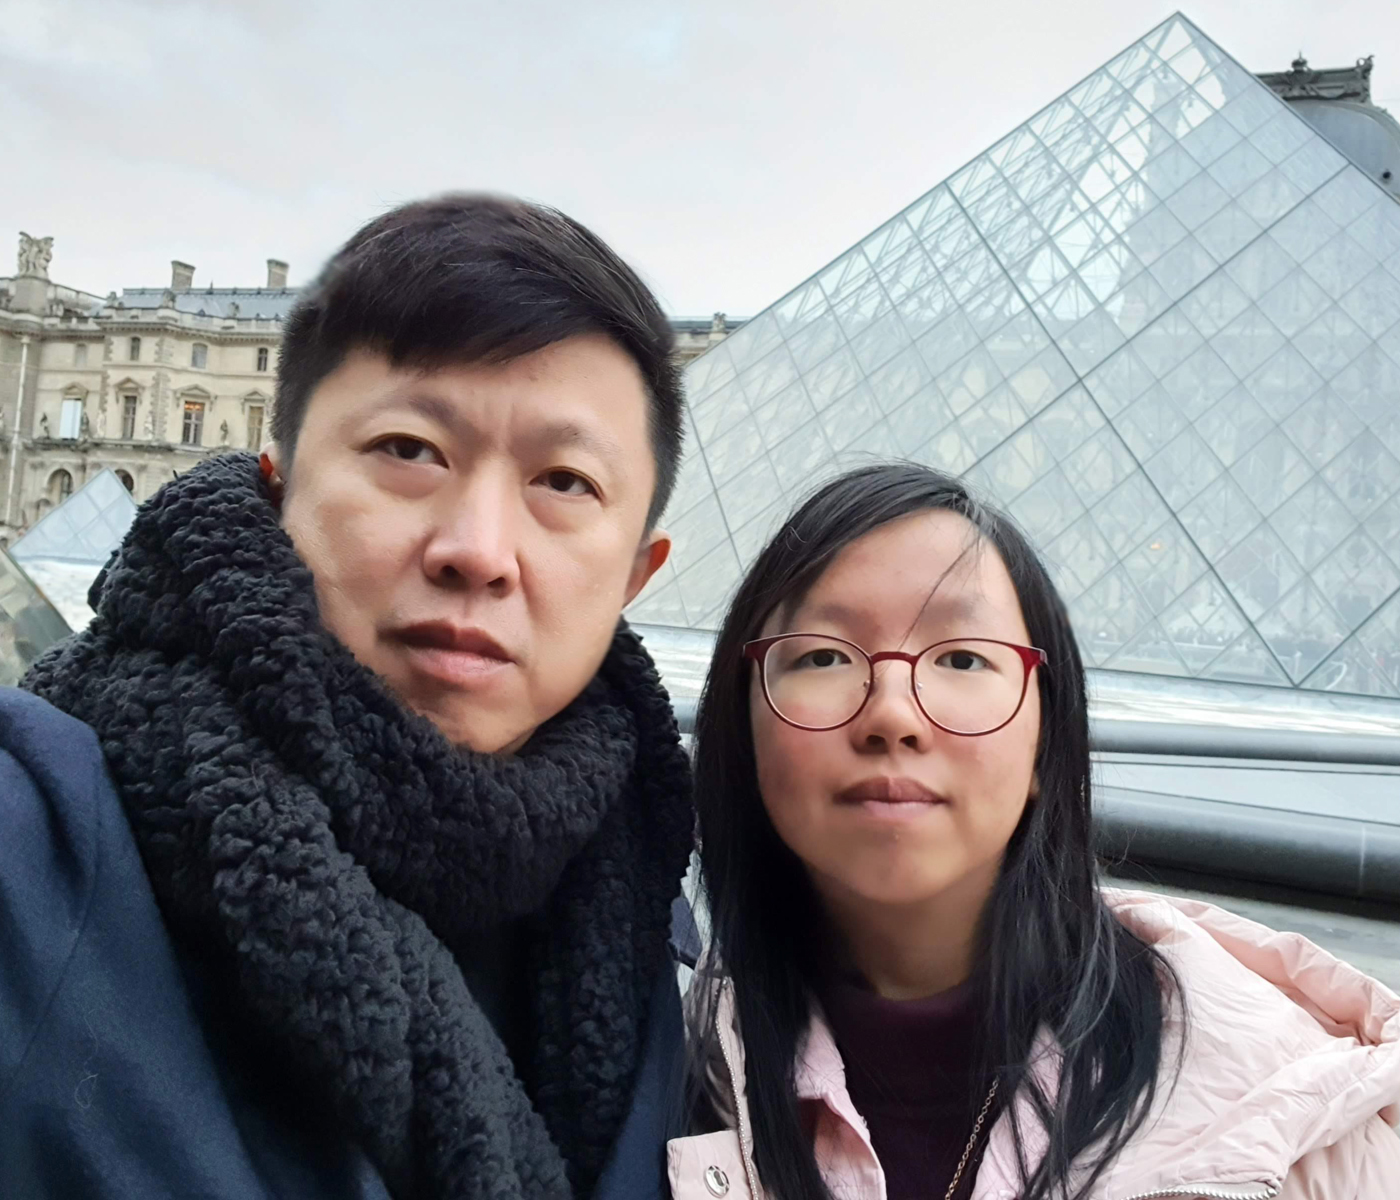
[(967, 686)]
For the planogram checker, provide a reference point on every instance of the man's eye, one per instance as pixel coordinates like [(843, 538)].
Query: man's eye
[(567, 483), (408, 449)]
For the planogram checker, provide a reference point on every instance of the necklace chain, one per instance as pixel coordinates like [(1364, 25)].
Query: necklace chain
[(971, 1142)]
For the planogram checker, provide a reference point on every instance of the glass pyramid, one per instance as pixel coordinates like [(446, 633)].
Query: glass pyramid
[(69, 546), (29, 624), (1159, 323), (85, 528)]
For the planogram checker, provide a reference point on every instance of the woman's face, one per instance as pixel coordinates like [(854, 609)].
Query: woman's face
[(890, 809)]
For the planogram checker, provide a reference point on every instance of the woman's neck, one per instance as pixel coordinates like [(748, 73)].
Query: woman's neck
[(910, 951)]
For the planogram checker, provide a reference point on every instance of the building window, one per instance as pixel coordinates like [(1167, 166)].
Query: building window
[(70, 419), (127, 481), (255, 426), (262, 358), (60, 486), (192, 434), (133, 349), (129, 402), (80, 355), (199, 355)]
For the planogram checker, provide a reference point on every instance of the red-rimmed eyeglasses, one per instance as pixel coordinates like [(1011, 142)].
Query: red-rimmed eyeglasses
[(965, 686)]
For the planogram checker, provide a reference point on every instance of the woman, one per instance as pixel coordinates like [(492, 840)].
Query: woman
[(916, 986)]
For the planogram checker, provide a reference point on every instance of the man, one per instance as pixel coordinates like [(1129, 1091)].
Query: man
[(380, 903)]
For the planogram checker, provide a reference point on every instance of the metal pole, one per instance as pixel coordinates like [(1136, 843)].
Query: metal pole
[(19, 418)]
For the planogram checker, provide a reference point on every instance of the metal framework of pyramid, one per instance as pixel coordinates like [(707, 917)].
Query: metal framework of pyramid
[(1160, 324)]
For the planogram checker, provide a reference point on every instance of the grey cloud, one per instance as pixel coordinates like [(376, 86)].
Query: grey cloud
[(727, 148)]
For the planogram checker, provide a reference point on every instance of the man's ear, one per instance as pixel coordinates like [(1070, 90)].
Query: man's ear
[(270, 464), (651, 557)]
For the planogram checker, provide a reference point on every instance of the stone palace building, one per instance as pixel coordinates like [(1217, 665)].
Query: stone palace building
[(147, 382)]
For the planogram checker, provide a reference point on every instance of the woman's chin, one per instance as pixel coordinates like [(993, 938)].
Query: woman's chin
[(908, 888)]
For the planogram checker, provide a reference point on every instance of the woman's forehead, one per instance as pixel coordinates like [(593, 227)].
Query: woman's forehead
[(927, 568)]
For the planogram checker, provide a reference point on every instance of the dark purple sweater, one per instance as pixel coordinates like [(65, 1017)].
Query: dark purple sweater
[(910, 1067)]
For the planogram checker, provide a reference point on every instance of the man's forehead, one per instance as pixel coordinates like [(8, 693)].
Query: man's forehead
[(582, 403)]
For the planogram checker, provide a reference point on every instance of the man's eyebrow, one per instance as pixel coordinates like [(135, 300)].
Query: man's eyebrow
[(435, 408), (549, 436), (558, 434)]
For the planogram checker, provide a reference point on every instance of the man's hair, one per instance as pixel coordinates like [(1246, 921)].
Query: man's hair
[(472, 278)]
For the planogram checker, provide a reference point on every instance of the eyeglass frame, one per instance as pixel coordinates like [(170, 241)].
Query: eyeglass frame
[(1031, 658)]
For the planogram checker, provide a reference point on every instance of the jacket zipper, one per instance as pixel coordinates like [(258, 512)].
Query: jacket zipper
[(749, 1174), (1205, 1194)]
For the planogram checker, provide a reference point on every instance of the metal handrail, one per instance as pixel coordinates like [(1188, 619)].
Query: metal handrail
[(1242, 742), (1205, 741)]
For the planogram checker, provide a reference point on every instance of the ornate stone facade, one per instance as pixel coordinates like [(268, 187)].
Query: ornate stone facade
[(147, 382)]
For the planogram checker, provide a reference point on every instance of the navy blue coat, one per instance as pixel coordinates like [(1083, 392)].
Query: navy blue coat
[(114, 1079)]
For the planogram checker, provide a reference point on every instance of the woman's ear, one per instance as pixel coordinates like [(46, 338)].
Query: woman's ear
[(1034, 793)]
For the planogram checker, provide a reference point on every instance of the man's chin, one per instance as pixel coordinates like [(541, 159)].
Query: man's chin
[(483, 718), (496, 718), (481, 732)]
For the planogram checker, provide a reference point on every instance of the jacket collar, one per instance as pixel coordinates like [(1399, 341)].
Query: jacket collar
[(1287, 1050)]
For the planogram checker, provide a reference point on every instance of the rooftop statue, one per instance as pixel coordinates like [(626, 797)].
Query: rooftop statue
[(35, 254)]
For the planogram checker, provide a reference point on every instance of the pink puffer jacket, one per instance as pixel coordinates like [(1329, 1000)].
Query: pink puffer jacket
[(1289, 1089)]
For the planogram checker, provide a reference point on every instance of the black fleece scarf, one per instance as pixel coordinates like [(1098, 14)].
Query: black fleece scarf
[(331, 846)]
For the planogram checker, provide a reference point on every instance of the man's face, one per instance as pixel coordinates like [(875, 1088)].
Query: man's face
[(475, 531)]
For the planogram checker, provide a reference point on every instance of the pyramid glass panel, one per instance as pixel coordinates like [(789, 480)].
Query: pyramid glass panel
[(29, 623), (68, 546), (1159, 323), (85, 528)]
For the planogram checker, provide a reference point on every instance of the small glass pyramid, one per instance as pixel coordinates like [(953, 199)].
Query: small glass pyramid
[(1160, 323), (85, 528), (67, 548), (29, 624)]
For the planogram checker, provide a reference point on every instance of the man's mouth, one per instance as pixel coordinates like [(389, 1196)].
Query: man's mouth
[(454, 654)]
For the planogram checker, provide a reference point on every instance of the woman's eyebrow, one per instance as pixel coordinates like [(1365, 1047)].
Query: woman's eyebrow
[(831, 612), (960, 606)]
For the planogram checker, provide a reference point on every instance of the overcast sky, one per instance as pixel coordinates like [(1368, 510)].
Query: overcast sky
[(727, 148)]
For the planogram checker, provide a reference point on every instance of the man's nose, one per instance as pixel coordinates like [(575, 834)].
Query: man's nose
[(475, 539)]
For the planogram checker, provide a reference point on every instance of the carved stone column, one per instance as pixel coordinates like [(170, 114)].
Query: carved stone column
[(160, 389)]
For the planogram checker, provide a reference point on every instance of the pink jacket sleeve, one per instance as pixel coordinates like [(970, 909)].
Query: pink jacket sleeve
[(1364, 1165)]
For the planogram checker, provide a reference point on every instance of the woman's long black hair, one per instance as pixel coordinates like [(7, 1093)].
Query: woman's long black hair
[(1051, 957)]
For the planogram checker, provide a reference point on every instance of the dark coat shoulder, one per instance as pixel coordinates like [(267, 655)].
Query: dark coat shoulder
[(110, 1084), (114, 1081)]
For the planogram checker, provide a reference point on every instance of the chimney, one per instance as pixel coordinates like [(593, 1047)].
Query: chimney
[(181, 276), (276, 273)]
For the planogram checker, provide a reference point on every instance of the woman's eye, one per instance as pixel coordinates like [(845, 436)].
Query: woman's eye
[(567, 483), (822, 658), (961, 660), (408, 449)]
